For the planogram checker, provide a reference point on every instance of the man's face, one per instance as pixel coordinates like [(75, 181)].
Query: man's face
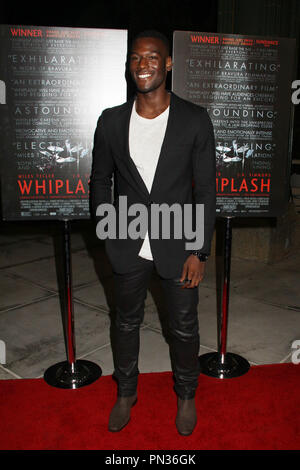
[(149, 64)]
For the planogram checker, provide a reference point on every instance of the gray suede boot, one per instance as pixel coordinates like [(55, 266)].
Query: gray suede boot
[(186, 418), (120, 414)]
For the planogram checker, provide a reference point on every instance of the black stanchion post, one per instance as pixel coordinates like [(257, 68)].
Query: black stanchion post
[(71, 373), (224, 364)]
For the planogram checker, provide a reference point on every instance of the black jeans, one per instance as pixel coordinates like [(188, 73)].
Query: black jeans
[(130, 295)]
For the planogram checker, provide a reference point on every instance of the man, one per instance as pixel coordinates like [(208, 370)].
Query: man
[(160, 149)]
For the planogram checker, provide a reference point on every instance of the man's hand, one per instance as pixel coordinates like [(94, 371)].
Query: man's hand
[(193, 272)]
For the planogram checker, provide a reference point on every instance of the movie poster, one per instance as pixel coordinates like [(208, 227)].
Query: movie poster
[(54, 84), (244, 82)]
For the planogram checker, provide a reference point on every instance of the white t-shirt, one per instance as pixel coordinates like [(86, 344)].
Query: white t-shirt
[(145, 140)]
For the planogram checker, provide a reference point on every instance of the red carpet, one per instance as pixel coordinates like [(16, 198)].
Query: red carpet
[(259, 410)]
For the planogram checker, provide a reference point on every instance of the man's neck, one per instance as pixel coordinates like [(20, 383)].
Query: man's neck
[(151, 105)]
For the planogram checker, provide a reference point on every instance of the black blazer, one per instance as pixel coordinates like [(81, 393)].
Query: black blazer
[(185, 173)]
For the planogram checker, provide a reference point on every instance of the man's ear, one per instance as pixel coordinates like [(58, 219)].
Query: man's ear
[(169, 63)]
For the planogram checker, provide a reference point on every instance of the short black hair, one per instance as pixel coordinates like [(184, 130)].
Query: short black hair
[(152, 33)]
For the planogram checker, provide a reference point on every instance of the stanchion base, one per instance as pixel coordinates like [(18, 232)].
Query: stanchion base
[(61, 375), (233, 365)]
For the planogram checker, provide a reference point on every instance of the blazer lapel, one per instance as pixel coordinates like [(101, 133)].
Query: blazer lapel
[(171, 130), (124, 126)]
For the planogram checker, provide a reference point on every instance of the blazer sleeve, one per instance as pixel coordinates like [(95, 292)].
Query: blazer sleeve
[(101, 179), (204, 177)]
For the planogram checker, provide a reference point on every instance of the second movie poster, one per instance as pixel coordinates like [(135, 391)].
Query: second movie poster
[(244, 82)]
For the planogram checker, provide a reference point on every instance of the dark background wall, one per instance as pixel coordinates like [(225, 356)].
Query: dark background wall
[(134, 15)]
